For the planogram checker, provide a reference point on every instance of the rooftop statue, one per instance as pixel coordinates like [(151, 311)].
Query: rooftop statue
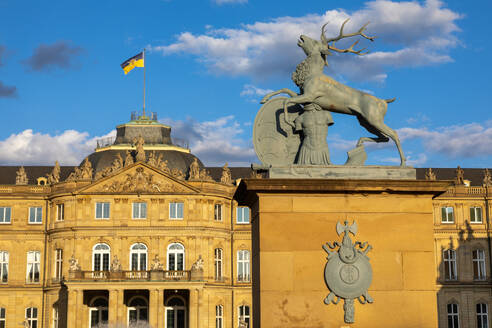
[(293, 130), (54, 176), (21, 176)]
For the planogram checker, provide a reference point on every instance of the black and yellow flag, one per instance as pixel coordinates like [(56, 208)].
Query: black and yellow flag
[(135, 61)]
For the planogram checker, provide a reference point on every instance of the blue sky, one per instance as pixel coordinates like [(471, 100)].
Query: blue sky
[(210, 62)]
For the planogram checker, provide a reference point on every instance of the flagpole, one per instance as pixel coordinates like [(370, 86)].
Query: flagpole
[(144, 83)]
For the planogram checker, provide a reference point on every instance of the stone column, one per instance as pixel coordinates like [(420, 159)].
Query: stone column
[(194, 308), (72, 308), (153, 307), (113, 307), (121, 308), (160, 308), (80, 310)]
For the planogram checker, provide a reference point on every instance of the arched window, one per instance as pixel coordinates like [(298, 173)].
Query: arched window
[(175, 313), (98, 312), (137, 311), (478, 264), (243, 265), (453, 317), (449, 257), (218, 263), (219, 316), (175, 257), (4, 266), (244, 314), (138, 257), (100, 257), (32, 317)]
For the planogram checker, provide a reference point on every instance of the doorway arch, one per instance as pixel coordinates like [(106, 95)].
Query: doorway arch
[(176, 315)]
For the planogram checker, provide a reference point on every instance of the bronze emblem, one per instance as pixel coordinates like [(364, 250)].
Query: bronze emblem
[(348, 273)]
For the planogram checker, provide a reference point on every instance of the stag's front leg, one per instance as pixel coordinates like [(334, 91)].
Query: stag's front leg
[(301, 99), (274, 93)]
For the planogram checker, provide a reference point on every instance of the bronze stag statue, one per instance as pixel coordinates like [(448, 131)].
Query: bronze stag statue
[(323, 92)]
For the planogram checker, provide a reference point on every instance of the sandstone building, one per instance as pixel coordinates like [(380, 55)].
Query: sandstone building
[(141, 232)]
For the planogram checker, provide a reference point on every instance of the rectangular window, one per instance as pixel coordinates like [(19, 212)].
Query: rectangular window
[(2, 317), (478, 264), (243, 266), (176, 211), (140, 210), (447, 214), (450, 272), (4, 267), (453, 319), (35, 215), (58, 264), (482, 316), (218, 212), (219, 316), (5, 214), (218, 264), (242, 214), (475, 214), (32, 317), (102, 210), (60, 212), (33, 262)]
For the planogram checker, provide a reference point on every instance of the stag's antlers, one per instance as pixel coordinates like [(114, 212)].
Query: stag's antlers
[(342, 36)]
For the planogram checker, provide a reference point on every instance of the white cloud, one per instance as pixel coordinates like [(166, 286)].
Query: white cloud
[(34, 148), (418, 118), (253, 93), (223, 2), (468, 140), (215, 142), (418, 33), (251, 90)]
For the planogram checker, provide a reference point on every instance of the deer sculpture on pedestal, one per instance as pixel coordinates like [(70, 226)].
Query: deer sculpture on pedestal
[(323, 91)]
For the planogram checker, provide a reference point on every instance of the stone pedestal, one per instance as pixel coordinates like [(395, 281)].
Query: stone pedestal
[(157, 275), (368, 172), (291, 220)]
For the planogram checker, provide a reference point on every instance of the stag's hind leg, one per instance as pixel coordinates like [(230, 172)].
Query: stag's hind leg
[(383, 133), (386, 130)]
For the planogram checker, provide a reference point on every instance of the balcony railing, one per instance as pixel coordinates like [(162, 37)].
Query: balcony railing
[(105, 142), (158, 275), (139, 116), (468, 191), (180, 142)]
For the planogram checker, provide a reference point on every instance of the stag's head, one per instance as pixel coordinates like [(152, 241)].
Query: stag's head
[(324, 48), (311, 46)]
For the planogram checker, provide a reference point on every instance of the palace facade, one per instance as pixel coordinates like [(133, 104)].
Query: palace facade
[(142, 234), (139, 235)]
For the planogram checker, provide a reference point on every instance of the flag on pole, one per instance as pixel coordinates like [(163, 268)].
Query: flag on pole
[(135, 61)]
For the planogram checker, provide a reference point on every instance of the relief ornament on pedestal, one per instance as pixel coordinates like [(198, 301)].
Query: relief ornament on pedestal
[(348, 273)]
